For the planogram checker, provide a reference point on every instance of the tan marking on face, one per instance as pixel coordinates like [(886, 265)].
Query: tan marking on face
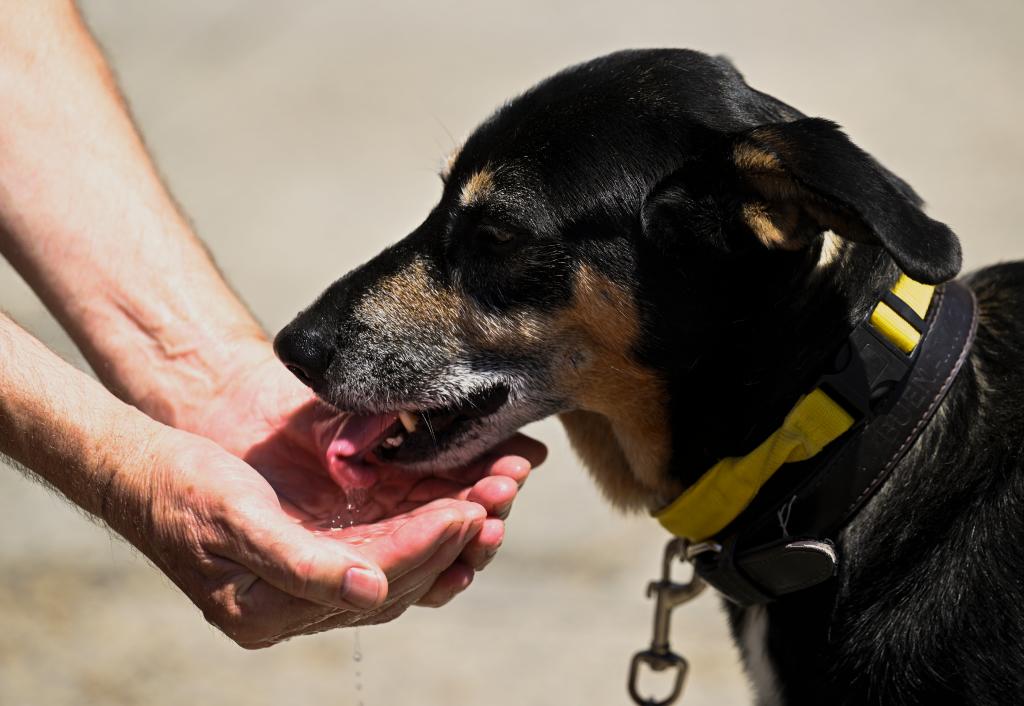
[(410, 301), (477, 187), (409, 298), (624, 435), (503, 332)]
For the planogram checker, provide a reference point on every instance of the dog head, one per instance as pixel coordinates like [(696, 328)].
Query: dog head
[(605, 247)]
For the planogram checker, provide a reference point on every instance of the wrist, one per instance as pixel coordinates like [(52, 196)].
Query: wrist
[(255, 397), (174, 375), (124, 471), (61, 425)]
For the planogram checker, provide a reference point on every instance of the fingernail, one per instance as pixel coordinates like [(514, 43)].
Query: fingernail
[(503, 512), (360, 588)]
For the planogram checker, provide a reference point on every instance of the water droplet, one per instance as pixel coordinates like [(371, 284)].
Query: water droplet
[(346, 515), (347, 512), (357, 658)]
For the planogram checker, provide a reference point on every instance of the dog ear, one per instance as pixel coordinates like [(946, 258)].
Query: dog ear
[(803, 177)]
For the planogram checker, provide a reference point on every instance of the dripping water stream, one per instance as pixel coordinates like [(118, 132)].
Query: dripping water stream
[(345, 516)]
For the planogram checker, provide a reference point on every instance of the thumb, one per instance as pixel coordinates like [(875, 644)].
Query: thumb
[(311, 566)]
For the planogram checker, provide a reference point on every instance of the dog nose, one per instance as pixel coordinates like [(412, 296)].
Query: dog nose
[(304, 354)]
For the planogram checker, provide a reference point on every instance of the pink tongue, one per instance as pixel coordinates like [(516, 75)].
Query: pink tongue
[(351, 440)]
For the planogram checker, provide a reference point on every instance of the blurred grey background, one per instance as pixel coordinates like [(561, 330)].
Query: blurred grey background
[(302, 137)]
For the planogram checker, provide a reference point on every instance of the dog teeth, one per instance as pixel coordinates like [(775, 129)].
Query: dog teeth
[(393, 442), (408, 420)]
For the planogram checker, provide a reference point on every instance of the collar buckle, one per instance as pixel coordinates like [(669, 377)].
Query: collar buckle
[(763, 573), (865, 370)]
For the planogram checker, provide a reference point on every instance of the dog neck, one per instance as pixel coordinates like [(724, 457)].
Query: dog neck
[(658, 439), (780, 334), (630, 470)]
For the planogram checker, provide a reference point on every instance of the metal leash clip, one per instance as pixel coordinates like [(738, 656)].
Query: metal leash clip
[(659, 656)]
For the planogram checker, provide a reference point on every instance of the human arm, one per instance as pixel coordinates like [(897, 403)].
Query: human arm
[(257, 568), (85, 219), (87, 222)]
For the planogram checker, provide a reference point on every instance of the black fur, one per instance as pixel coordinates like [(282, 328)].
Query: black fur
[(626, 164)]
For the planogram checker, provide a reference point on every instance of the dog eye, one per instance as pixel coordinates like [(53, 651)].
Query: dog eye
[(495, 236)]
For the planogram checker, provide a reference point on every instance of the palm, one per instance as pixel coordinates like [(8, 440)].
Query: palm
[(241, 553)]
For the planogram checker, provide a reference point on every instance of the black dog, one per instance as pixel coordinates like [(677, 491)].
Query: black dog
[(669, 260)]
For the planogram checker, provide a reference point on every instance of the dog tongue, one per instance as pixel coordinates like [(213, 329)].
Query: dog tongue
[(351, 437)]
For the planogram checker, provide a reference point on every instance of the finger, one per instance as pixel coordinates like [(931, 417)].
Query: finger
[(495, 494), (405, 591), (304, 564), (516, 468), (252, 612), (508, 465), (482, 549), (449, 584), (327, 570), (427, 572), (454, 579), (382, 615), (346, 618), (426, 537)]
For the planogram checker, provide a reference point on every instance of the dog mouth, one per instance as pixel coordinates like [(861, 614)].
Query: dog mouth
[(358, 445), (417, 435)]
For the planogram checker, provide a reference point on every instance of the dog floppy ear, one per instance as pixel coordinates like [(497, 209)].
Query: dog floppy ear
[(806, 176)]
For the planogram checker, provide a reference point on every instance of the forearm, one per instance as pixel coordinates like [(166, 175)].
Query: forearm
[(86, 220), (61, 424)]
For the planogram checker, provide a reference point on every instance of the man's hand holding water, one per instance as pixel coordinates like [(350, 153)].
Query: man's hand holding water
[(287, 550), (264, 550), (273, 547)]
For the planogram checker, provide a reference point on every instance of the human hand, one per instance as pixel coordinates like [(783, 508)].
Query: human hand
[(265, 416), (262, 569)]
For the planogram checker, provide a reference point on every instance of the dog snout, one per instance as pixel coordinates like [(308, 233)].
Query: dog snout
[(304, 353)]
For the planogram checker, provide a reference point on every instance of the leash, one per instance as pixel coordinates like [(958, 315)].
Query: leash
[(765, 525), (659, 656)]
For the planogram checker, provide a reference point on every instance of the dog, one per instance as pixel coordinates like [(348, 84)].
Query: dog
[(667, 259)]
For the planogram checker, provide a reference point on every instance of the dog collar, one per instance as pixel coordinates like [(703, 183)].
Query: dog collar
[(767, 520)]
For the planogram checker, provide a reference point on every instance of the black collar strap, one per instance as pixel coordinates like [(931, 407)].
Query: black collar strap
[(889, 382)]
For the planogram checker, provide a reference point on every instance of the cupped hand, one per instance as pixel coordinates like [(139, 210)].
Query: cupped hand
[(263, 570), (266, 417)]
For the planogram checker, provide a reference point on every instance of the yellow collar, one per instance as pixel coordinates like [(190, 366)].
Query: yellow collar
[(724, 491)]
